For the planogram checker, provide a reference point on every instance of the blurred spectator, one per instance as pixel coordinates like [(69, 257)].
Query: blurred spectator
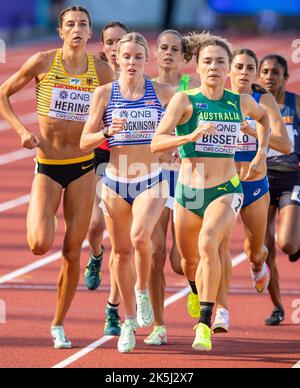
[(56, 6), (268, 21), (169, 12), (207, 18)]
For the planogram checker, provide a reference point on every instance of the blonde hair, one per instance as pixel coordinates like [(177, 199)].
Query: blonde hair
[(195, 43), (134, 37)]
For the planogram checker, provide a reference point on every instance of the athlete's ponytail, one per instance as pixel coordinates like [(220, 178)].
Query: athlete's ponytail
[(258, 89)]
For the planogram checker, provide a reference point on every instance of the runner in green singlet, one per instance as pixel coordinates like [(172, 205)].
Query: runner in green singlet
[(209, 194)]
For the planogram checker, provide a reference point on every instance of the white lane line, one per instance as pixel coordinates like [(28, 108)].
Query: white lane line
[(297, 366), (171, 300), (26, 119), (15, 156), (39, 264), (14, 203)]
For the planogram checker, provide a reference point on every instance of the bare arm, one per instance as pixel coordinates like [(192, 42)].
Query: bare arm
[(279, 139), (35, 66), (250, 108), (178, 112), (93, 135)]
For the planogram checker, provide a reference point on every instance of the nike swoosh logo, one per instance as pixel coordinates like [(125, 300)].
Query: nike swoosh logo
[(152, 184), (60, 78), (87, 167)]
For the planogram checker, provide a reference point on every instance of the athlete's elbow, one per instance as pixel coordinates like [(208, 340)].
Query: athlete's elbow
[(84, 145), (155, 148)]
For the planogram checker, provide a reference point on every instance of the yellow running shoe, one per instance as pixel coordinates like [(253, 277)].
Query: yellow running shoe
[(193, 306), (203, 338)]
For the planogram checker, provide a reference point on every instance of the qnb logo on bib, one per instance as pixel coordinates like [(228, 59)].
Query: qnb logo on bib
[(140, 124), (224, 142), (72, 105)]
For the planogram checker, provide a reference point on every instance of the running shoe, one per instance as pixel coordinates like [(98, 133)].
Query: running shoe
[(261, 279), (59, 338), (221, 323), (127, 341), (158, 337), (276, 317), (295, 257), (203, 338), (112, 323), (193, 306), (145, 316), (93, 272)]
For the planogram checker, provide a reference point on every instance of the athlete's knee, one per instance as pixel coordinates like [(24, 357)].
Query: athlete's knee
[(95, 231), (121, 257), (39, 247), (208, 247), (72, 254), (140, 240), (288, 247)]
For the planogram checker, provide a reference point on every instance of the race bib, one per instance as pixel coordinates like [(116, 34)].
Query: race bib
[(68, 104), (296, 194), (140, 125), (224, 142), (247, 143)]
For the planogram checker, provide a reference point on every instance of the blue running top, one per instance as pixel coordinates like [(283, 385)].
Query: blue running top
[(143, 116), (248, 145)]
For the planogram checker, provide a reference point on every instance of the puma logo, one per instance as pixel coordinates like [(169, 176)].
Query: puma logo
[(233, 104), (223, 188)]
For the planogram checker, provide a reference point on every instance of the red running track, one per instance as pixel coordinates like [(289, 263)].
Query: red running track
[(30, 297)]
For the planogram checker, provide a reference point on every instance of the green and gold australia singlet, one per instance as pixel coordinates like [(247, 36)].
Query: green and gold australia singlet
[(225, 114)]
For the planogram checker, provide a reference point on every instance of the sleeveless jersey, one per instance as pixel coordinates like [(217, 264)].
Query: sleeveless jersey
[(142, 116), (247, 145), (225, 114), (276, 160), (64, 96)]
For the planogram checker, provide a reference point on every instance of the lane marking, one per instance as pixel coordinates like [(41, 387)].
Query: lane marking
[(30, 118), (297, 366), (16, 156), (171, 300), (9, 205)]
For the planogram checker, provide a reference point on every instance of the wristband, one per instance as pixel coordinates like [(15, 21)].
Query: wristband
[(105, 133)]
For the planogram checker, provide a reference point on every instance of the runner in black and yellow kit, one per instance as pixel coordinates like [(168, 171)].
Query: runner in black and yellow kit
[(209, 194), (65, 81)]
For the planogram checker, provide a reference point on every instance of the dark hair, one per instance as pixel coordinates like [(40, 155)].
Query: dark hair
[(107, 27), (112, 25), (195, 43), (279, 59), (248, 52), (75, 8), (258, 89), (179, 36)]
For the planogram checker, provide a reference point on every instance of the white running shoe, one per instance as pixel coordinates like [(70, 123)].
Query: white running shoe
[(158, 337), (127, 340), (261, 280), (59, 338), (221, 323), (145, 316)]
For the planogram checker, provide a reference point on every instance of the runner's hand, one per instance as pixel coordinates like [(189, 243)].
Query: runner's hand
[(257, 168), (117, 125), (29, 140), (203, 129), (247, 129)]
